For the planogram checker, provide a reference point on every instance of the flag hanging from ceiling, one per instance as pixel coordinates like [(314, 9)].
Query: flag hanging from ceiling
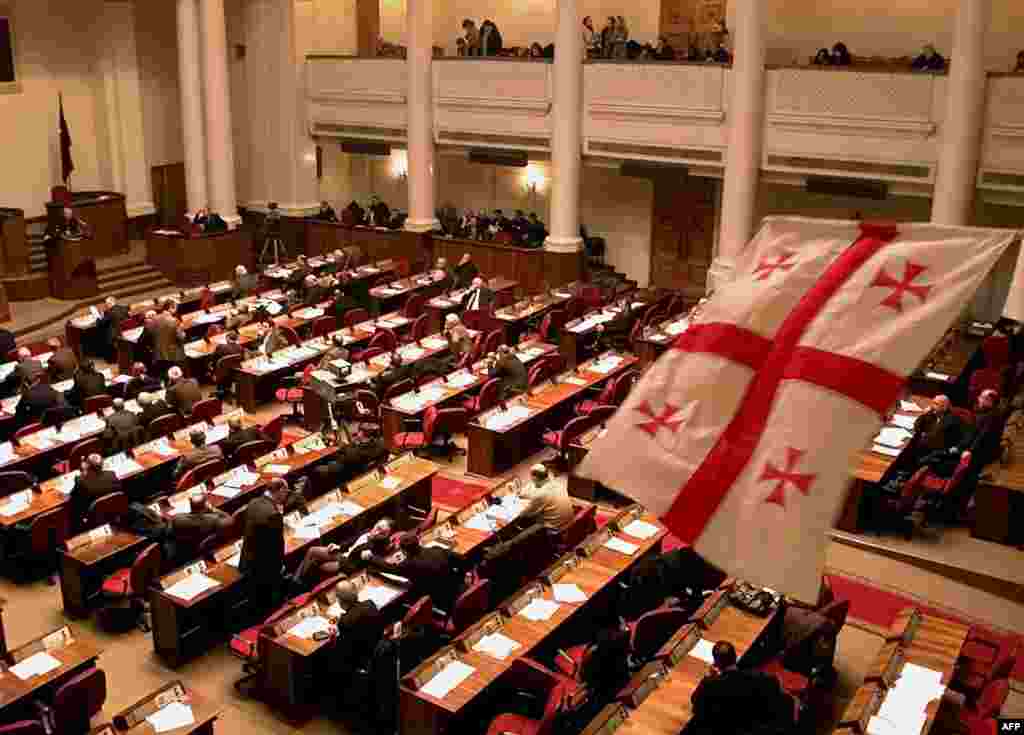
[(67, 165), (740, 437)]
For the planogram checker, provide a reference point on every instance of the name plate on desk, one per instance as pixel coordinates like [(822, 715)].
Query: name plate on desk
[(512, 485), (560, 568), (594, 542), (608, 720), (173, 692), (491, 624), (441, 534), (266, 459), (465, 514), (527, 596), (370, 479), (680, 644), (887, 665), (644, 682), (222, 555), (626, 517), (712, 608), (430, 668), (862, 707)]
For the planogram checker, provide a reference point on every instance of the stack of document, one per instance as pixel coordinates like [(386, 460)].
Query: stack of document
[(435, 343), (702, 651), (461, 379), (504, 419), (496, 645), (605, 365), (18, 503), (390, 482), (508, 508), (480, 522), (903, 421), (893, 436), (276, 469), (306, 627), (379, 595), (35, 665), (121, 465), (192, 586), (412, 352), (171, 717), (904, 708), (7, 453), (623, 547), (447, 679), (539, 609), (216, 433), (307, 528), (568, 593), (641, 529)]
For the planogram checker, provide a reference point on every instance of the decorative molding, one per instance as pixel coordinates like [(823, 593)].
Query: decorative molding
[(1007, 131), (363, 96), (563, 244), (462, 136), (633, 111), (652, 151), (421, 226), (876, 127), (513, 104)]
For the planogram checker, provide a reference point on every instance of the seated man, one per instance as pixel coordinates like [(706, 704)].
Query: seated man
[(938, 433), (123, 430), (238, 436), (432, 571), (479, 296), (511, 370), (238, 318), (359, 629), (459, 340), (93, 482), (395, 372), (443, 274), (317, 291), (152, 408), (351, 461), (88, 382), (182, 393), (228, 348), (37, 400), (549, 501), (200, 454), (273, 340), (187, 530), (140, 383), (321, 562), (614, 334), (63, 363), (729, 701), (29, 368)]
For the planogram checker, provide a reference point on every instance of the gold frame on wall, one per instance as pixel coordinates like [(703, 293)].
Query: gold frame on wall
[(11, 87)]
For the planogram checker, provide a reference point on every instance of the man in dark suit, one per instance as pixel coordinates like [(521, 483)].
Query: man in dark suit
[(262, 555), (333, 559), (63, 362), (123, 429), (393, 373), (145, 347), (465, 271), (93, 482), (238, 436), (186, 531), (317, 291), (614, 334), (109, 327), (326, 213), (535, 231), (199, 454), (511, 370), (733, 702), (479, 296), (152, 408), (37, 400), (140, 383), (432, 571), (359, 630), (938, 432), (379, 213), (182, 393), (228, 347), (28, 368), (89, 382)]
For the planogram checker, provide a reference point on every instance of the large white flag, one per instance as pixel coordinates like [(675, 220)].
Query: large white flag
[(740, 437)]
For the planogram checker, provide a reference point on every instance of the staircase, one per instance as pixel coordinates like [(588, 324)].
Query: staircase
[(606, 276), (126, 281)]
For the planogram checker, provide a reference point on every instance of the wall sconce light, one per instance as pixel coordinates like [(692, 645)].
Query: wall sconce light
[(399, 164), (534, 179)]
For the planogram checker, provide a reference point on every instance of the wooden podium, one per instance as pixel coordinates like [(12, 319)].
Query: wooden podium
[(72, 268), (104, 212)]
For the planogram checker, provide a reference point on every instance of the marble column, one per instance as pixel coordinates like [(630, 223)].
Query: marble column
[(566, 132), (190, 83), (420, 115), (220, 155), (129, 172), (746, 140), (960, 151)]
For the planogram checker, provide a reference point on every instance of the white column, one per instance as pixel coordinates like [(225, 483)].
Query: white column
[(190, 83), (420, 115), (566, 132), (287, 171), (220, 154), (746, 140), (129, 173), (956, 180)]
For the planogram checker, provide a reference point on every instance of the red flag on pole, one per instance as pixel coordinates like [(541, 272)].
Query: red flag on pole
[(66, 164)]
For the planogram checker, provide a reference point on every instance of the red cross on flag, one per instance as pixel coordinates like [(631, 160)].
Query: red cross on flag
[(740, 437)]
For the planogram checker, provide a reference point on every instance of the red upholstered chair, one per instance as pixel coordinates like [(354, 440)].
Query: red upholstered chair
[(649, 632), (75, 703), (485, 399), (248, 452), (419, 615), (224, 374), (127, 587), (275, 430), (552, 322), (206, 409), (420, 328), (469, 607), (989, 704), (443, 422), (202, 473), (414, 306), (476, 319), (492, 341), (291, 335), (570, 661), (23, 727), (164, 425), (353, 317), (402, 269), (383, 340), (577, 426), (983, 658), (984, 379), (583, 524), (574, 308), (79, 452), (367, 355), (250, 644), (92, 404), (324, 326), (293, 391), (213, 330), (792, 682), (207, 300), (613, 393), (937, 490), (42, 541), (547, 687), (12, 482), (28, 429), (592, 297), (109, 508), (996, 349)]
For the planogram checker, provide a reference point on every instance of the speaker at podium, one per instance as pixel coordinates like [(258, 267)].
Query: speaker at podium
[(72, 268)]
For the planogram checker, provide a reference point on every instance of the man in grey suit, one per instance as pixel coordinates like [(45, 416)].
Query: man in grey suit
[(182, 393), (123, 429), (168, 338), (200, 454)]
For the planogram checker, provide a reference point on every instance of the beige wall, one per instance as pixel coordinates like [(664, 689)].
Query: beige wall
[(157, 46)]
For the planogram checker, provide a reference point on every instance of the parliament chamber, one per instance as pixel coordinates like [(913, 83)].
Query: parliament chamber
[(310, 359)]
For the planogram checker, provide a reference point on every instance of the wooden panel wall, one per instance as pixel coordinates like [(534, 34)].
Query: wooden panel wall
[(367, 26), (680, 18), (13, 243), (683, 233)]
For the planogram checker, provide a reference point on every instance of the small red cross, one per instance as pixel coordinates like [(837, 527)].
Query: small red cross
[(665, 419), (772, 473), (766, 267), (911, 271)]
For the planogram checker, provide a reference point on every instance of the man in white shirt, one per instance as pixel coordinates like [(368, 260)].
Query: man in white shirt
[(478, 296)]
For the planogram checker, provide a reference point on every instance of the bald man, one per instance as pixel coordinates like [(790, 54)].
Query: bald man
[(182, 393), (359, 627), (92, 482), (938, 433)]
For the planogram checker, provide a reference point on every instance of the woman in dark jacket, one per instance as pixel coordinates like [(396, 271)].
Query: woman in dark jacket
[(490, 39)]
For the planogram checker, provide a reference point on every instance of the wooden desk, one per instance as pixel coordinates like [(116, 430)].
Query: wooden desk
[(105, 214), (75, 655), (444, 304), (492, 449), (204, 711), (185, 628), (37, 452), (515, 318), (582, 487), (914, 638), (946, 368), (578, 332), (651, 345), (14, 254), (72, 268), (447, 390), (296, 671), (423, 714), (999, 497), (375, 243), (525, 265), (393, 295), (373, 271), (201, 259), (84, 567)]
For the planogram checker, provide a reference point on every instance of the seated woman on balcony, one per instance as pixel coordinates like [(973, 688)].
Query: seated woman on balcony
[(490, 39), (471, 39), (841, 55), (929, 60), (1020, 62)]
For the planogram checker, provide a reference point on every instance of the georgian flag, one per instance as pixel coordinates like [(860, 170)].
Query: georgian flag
[(741, 436)]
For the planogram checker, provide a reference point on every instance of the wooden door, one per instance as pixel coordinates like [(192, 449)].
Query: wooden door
[(169, 193), (683, 233)]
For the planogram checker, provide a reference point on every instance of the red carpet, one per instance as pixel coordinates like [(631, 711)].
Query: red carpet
[(451, 494), (879, 607)]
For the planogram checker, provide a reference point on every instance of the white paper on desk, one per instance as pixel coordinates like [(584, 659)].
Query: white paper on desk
[(910, 406), (905, 422), (435, 343), (623, 547), (605, 366), (938, 376), (394, 577), (702, 651), (35, 665), (508, 509), (164, 449), (306, 627), (447, 679), (386, 291), (573, 380), (887, 451), (539, 609), (7, 453), (63, 386), (179, 507), (234, 560), (348, 508), (479, 522), (243, 478), (413, 353), (171, 717), (277, 469), (7, 369), (641, 529), (14, 507), (893, 436), (217, 433), (124, 468), (497, 646), (66, 483), (227, 491), (380, 596), (306, 531), (192, 586), (461, 380), (390, 483), (568, 593)]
